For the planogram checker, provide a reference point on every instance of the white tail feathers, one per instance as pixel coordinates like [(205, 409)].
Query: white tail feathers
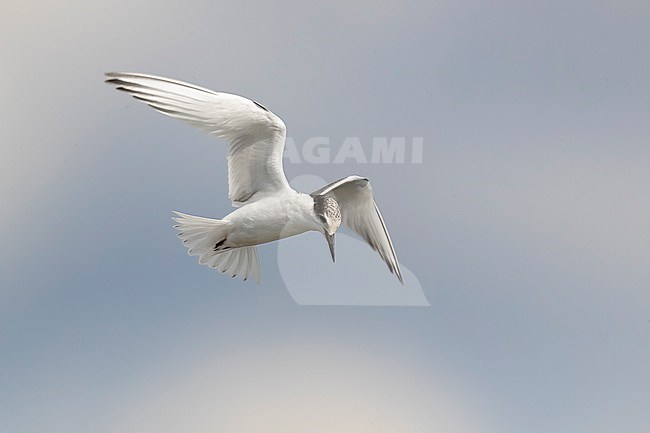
[(202, 235)]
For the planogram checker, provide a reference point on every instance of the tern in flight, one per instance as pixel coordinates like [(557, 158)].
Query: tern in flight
[(268, 209)]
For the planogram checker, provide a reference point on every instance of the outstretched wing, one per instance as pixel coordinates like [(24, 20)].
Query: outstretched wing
[(255, 135), (360, 213)]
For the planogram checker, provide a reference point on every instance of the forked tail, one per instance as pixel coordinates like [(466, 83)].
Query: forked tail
[(203, 236)]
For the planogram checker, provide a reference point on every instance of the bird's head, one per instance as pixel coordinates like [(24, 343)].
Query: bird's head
[(329, 217)]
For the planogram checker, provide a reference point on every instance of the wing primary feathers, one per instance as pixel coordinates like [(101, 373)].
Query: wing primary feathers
[(260, 105)]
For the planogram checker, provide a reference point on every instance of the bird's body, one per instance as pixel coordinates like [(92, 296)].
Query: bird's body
[(268, 209), (270, 219)]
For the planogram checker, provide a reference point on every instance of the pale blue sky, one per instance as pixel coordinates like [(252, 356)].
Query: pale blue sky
[(525, 225)]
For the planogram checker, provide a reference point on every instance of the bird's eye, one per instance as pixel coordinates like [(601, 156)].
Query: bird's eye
[(322, 218)]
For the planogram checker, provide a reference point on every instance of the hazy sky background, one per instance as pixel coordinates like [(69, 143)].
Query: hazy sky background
[(526, 223)]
